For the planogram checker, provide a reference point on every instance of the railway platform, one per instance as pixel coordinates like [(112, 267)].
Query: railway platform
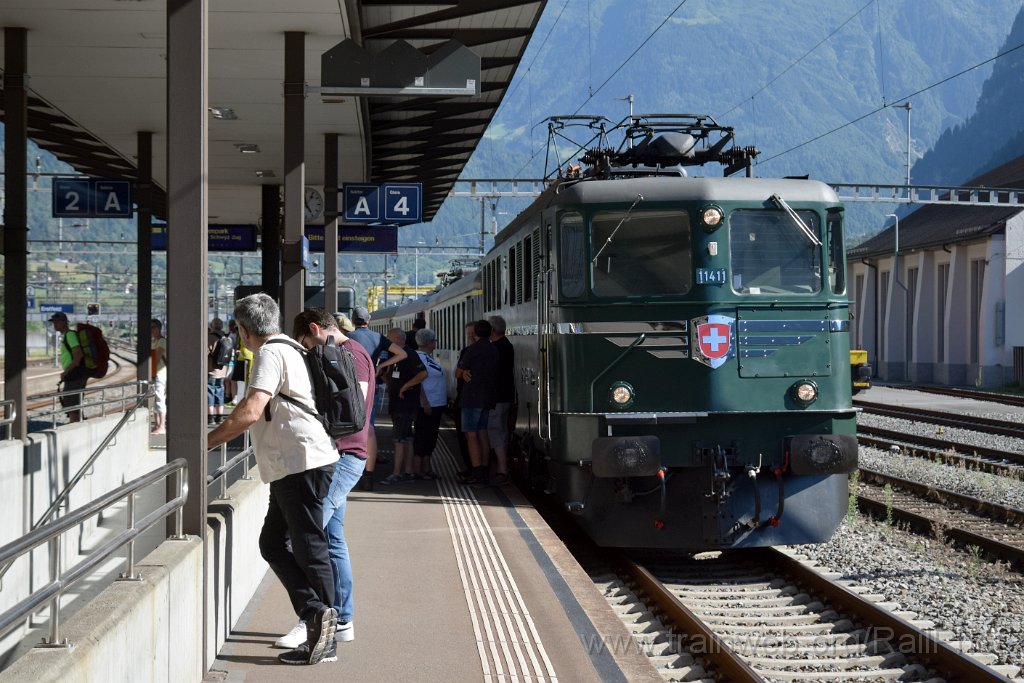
[(451, 583)]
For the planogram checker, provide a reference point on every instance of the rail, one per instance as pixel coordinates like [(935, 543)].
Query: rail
[(10, 414), (51, 534), (63, 495), (141, 390), (220, 474)]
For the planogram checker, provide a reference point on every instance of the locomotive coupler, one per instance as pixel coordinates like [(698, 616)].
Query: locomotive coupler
[(720, 476), (752, 473)]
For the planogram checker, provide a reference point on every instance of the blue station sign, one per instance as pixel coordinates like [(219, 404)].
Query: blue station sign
[(219, 237), (383, 203), (56, 308), (91, 198)]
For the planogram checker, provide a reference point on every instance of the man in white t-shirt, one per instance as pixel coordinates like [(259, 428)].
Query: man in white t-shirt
[(296, 457)]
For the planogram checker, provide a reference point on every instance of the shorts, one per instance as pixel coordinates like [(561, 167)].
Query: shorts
[(378, 400), (160, 393), (474, 419), (401, 429), (497, 423), (214, 391), (76, 379)]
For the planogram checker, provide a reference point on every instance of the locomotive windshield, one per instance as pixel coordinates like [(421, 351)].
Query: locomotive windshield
[(771, 253), (649, 254)]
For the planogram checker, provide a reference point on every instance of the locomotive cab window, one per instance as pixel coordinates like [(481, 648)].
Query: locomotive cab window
[(572, 254), (836, 252), (771, 253), (641, 253)]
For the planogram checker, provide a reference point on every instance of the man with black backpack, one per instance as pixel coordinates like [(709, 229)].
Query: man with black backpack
[(72, 360), (312, 328), (297, 458)]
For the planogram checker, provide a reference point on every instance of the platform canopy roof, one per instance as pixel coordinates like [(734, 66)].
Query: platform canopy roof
[(98, 75)]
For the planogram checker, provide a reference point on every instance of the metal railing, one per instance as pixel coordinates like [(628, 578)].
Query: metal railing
[(82, 471), (51, 534), (93, 397), (10, 414), (221, 473)]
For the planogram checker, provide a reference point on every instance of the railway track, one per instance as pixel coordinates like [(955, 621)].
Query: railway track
[(767, 615), (992, 460), (937, 417), (995, 529), (990, 396)]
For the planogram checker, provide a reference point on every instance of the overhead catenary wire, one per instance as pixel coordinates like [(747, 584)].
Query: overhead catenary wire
[(593, 92), (893, 103), (633, 54), (797, 61)]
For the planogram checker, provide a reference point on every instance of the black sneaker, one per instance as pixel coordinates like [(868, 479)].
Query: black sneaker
[(300, 655), (320, 633)]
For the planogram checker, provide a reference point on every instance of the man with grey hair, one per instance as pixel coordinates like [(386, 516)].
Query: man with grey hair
[(296, 457)]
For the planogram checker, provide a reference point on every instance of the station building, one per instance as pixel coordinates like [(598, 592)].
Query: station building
[(939, 296)]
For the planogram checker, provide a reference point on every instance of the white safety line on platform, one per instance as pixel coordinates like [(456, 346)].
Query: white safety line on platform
[(508, 643)]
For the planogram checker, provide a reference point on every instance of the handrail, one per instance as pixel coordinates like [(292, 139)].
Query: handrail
[(62, 496), (10, 410), (51, 533), (227, 465), (141, 386)]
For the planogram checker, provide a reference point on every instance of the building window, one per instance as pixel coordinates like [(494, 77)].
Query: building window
[(883, 310), (911, 308)]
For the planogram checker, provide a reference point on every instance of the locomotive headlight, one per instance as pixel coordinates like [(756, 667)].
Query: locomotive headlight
[(804, 392), (711, 217), (621, 395)]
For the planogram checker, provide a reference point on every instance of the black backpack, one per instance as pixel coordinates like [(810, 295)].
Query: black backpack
[(223, 352), (340, 403)]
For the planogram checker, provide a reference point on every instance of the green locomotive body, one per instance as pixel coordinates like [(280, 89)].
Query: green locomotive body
[(682, 353)]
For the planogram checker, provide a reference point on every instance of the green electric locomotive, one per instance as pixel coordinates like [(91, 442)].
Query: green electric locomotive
[(682, 343)]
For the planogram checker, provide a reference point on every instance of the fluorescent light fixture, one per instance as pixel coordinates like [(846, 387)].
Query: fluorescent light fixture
[(265, 173), (247, 148), (223, 113)]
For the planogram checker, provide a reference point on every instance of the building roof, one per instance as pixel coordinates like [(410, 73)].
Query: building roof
[(935, 225)]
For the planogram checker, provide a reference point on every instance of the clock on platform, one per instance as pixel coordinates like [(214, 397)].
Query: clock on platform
[(313, 201)]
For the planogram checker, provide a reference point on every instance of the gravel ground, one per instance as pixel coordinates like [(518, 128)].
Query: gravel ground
[(961, 436), (978, 602), (989, 487)]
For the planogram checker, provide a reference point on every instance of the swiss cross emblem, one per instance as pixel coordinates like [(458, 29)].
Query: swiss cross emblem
[(712, 339)]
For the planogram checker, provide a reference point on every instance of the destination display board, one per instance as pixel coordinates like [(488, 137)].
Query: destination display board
[(382, 239), (220, 237)]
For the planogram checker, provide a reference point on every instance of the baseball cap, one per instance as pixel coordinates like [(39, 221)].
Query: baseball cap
[(360, 315), (58, 316)]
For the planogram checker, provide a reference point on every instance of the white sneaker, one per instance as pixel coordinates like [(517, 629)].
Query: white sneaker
[(294, 638), (346, 633)]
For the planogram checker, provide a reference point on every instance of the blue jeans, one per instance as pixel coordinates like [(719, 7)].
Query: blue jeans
[(347, 472)]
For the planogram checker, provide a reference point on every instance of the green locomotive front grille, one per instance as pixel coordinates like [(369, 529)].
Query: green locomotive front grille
[(769, 347)]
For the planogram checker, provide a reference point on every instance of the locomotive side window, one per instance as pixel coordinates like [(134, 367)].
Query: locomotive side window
[(573, 254), (836, 252), (772, 255), (649, 253)]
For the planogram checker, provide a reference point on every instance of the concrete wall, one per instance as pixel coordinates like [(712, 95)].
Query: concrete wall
[(151, 630), (34, 472)]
